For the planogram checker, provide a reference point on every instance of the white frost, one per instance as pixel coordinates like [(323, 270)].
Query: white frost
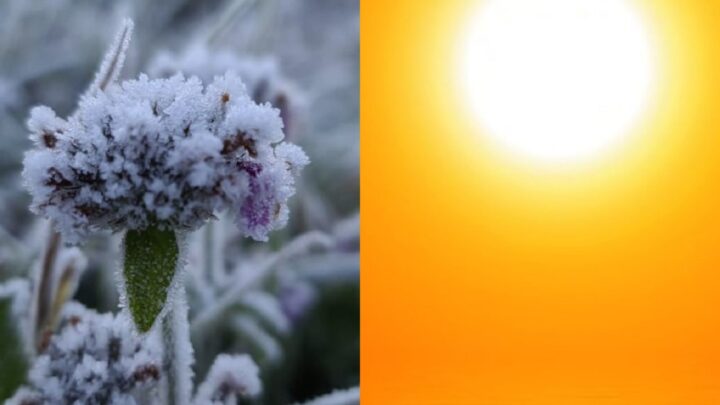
[(163, 152), (94, 359), (114, 58), (230, 377), (262, 76)]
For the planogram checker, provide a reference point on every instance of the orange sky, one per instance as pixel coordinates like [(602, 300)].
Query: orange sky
[(487, 279)]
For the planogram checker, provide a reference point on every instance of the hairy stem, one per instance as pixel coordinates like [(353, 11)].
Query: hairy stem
[(168, 333), (178, 353)]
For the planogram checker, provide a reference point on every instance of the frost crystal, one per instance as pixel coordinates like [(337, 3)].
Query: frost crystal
[(94, 359), (114, 59), (263, 77), (230, 378), (163, 152)]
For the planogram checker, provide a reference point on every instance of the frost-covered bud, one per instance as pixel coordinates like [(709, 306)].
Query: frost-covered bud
[(166, 152), (229, 378), (94, 359), (264, 207)]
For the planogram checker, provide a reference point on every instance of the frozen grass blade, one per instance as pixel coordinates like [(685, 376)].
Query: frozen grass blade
[(44, 291), (72, 263), (151, 257), (114, 58)]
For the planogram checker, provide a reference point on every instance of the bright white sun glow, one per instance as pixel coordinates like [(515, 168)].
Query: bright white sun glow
[(558, 79)]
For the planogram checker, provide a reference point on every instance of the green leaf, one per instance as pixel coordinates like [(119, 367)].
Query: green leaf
[(13, 366), (151, 257)]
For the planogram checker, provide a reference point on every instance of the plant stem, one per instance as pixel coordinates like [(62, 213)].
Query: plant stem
[(178, 352), (213, 254)]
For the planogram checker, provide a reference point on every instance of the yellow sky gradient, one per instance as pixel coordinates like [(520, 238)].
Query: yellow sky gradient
[(489, 279)]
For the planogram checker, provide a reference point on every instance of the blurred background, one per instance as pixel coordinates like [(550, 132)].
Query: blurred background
[(299, 316)]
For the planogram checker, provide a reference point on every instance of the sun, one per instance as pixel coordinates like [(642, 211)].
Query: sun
[(558, 79)]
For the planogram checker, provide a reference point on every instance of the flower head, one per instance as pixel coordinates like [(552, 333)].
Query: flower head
[(166, 152), (94, 359)]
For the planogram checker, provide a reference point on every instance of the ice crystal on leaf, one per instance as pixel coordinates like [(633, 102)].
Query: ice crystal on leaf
[(165, 152)]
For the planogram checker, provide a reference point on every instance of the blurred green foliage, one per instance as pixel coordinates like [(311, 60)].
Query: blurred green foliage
[(13, 367), (324, 353)]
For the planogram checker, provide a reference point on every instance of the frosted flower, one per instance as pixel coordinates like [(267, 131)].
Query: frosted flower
[(164, 152), (94, 359)]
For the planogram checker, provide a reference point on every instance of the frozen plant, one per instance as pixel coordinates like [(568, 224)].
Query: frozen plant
[(157, 156), (167, 153), (255, 312), (56, 277), (156, 159), (230, 377), (97, 359), (260, 295), (265, 82), (290, 304), (30, 310), (37, 305), (94, 359)]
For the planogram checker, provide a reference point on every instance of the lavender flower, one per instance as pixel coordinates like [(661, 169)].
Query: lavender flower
[(164, 152)]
